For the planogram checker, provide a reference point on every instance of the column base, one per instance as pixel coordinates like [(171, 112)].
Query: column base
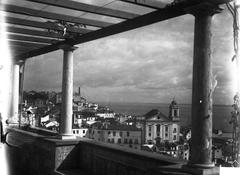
[(66, 137), (199, 169)]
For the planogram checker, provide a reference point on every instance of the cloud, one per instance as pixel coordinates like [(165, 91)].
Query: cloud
[(149, 64)]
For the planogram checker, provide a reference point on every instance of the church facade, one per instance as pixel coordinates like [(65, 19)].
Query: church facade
[(159, 128)]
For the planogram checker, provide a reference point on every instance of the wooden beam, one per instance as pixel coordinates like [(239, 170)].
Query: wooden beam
[(43, 25), (19, 30), (25, 44), (54, 16), (20, 49), (149, 3), (31, 39), (144, 20), (16, 49), (87, 8), (147, 19), (15, 53)]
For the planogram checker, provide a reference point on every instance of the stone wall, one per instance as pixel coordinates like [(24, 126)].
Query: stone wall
[(35, 154), (107, 159)]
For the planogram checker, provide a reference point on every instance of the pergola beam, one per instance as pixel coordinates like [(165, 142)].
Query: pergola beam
[(54, 16), (149, 3), (87, 8), (43, 25), (31, 39), (144, 20), (25, 44), (147, 19), (19, 30), (20, 50)]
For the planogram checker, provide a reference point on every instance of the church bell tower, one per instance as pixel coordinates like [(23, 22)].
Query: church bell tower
[(174, 111)]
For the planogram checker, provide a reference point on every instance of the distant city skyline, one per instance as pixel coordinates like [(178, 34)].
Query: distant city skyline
[(150, 64)]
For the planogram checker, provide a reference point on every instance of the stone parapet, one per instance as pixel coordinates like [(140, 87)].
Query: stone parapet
[(36, 154)]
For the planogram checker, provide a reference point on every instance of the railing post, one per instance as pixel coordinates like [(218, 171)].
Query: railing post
[(67, 93)]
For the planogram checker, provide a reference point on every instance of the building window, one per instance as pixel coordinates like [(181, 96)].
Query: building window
[(166, 128), (166, 134), (109, 140), (112, 140), (120, 134), (174, 130), (125, 141), (77, 131), (175, 112), (149, 128), (109, 132), (73, 131), (174, 137), (128, 134), (119, 141), (158, 130), (83, 131), (114, 133), (136, 141), (130, 141)]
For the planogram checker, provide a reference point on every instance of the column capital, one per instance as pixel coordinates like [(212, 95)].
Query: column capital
[(204, 9), (68, 47)]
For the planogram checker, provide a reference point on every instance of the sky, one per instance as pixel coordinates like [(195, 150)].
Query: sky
[(151, 64)]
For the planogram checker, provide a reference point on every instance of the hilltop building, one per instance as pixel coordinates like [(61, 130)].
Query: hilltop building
[(77, 98)]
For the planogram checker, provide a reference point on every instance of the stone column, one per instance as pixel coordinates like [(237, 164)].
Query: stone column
[(202, 89), (201, 152), (21, 82), (15, 94), (67, 93)]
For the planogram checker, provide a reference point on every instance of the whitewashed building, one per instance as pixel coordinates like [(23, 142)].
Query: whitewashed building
[(161, 128), (80, 132), (128, 136)]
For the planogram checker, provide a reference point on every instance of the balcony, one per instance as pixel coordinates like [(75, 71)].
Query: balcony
[(43, 153), (47, 153)]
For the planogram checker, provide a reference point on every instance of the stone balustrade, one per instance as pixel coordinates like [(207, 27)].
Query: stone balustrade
[(32, 153)]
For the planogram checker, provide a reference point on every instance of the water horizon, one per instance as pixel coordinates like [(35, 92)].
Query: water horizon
[(221, 112)]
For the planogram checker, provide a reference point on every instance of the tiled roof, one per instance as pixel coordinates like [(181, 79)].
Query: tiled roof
[(156, 113), (119, 127)]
